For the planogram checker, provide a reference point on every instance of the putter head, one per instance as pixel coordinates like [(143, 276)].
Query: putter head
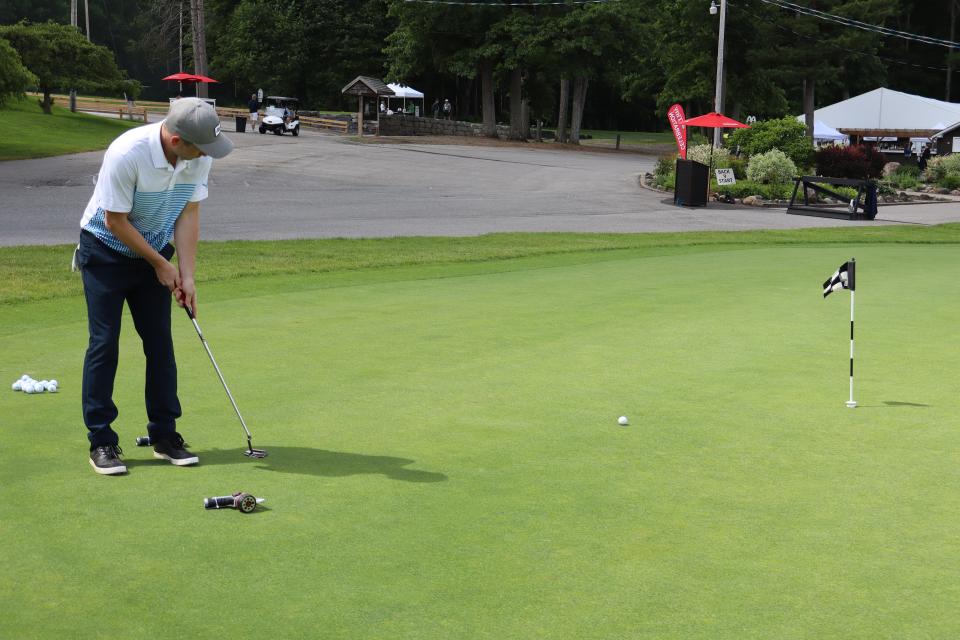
[(255, 453)]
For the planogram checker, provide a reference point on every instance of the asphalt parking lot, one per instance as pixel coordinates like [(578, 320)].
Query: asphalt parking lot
[(323, 185)]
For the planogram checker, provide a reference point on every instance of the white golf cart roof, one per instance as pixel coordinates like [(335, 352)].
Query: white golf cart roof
[(285, 99)]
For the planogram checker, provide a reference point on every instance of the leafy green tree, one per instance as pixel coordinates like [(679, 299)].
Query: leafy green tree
[(14, 77), (448, 39), (306, 48), (61, 58)]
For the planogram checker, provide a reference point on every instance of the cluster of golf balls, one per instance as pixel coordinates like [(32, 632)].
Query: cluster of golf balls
[(29, 385)]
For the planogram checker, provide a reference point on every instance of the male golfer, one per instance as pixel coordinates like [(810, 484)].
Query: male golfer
[(149, 191)]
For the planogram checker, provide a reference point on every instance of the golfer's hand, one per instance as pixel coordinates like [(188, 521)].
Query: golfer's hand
[(168, 275), (186, 295)]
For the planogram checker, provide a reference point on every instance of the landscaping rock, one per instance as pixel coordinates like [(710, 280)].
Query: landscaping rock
[(890, 168), (753, 201)]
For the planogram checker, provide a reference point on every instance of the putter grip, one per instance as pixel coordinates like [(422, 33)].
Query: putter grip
[(219, 502), (189, 311)]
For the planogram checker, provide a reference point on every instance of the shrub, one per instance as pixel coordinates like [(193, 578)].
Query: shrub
[(739, 166), (951, 182), (903, 181), (701, 153), (745, 188), (786, 134), (663, 173), (856, 161), (772, 167), (942, 166)]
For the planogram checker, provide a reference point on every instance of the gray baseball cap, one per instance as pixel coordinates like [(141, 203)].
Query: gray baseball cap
[(197, 122)]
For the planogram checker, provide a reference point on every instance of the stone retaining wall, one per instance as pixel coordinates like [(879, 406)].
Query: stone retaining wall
[(407, 125)]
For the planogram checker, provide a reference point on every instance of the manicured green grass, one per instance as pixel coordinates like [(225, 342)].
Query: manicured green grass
[(26, 132), (41, 272), (445, 460), (631, 137)]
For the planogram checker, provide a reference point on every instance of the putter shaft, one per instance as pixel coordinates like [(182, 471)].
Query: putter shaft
[(254, 453)]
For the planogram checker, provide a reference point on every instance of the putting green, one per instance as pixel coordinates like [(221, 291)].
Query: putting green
[(445, 460)]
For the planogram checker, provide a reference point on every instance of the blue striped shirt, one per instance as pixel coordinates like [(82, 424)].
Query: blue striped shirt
[(137, 179)]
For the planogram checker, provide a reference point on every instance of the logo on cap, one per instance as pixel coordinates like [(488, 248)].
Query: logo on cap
[(217, 130)]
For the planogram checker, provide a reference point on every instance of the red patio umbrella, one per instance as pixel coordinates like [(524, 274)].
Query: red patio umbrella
[(714, 120), (189, 77)]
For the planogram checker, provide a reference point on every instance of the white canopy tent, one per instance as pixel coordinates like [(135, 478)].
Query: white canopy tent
[(825, 133), (403, 92), (884, 112)]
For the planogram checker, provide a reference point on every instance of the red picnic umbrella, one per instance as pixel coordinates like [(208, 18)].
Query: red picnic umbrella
[(714, 120), (189, 77)]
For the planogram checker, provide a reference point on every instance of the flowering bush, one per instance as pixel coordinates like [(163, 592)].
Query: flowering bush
[(943, 167), (772, 167), (701, 154), (855, 161)]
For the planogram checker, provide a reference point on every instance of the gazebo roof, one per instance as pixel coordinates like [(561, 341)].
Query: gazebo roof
[(366, 86)]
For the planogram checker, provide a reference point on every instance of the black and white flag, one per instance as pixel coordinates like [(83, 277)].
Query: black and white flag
[(844, 278)]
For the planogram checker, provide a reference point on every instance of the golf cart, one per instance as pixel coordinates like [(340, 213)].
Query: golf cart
[(281, 115)]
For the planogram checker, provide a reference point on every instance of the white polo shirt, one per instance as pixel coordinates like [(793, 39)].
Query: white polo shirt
[(137, 179)]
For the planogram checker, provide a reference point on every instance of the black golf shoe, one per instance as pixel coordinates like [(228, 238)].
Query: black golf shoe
[(175, 450), (106, 460)]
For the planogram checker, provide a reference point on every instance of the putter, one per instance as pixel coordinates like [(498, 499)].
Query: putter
[(250, 452)]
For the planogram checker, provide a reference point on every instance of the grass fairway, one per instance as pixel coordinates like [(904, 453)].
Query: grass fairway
[(445, 460), (26, 132)]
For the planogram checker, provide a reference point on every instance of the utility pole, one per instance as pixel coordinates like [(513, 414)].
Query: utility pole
[(73, 23), (86, 10), (718, 98), (953, 32)]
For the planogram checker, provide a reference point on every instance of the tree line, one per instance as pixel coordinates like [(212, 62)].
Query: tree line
[(613, 65)]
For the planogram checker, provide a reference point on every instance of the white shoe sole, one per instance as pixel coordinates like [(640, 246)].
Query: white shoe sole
[(108, 471), (182, 462)]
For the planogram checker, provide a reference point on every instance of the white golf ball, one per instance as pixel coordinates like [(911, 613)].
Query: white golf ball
[(44, 383), (27, 388), (25, 376), (52, 388), (622, 420), (17, 386), (55, 383), (38, 388)]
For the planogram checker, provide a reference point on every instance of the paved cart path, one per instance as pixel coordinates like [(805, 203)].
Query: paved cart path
[(320, 185)]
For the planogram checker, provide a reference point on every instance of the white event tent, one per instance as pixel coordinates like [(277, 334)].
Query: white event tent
[(887, 113), (403, 92), (825, 133)]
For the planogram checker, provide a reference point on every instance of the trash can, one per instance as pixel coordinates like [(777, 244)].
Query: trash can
[(690, 185), (241, 124)]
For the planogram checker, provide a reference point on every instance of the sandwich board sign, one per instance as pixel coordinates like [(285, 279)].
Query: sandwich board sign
[(725, 176)]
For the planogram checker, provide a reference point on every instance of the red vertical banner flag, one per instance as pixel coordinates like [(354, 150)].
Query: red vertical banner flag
[(676, 118)]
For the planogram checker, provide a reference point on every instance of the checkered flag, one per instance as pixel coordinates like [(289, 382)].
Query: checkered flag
[(842, 279)]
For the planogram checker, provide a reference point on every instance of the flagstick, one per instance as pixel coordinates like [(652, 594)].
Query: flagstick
[(851, 403)]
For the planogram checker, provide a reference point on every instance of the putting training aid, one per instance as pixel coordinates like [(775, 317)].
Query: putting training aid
[(144, 441), (243, 502), (251, 452)]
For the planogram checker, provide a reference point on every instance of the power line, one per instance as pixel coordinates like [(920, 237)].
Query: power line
[(834, 46), (497, 3), (850, 22)]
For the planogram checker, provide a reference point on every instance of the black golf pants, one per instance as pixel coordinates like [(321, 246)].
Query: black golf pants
[(109, 280)]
